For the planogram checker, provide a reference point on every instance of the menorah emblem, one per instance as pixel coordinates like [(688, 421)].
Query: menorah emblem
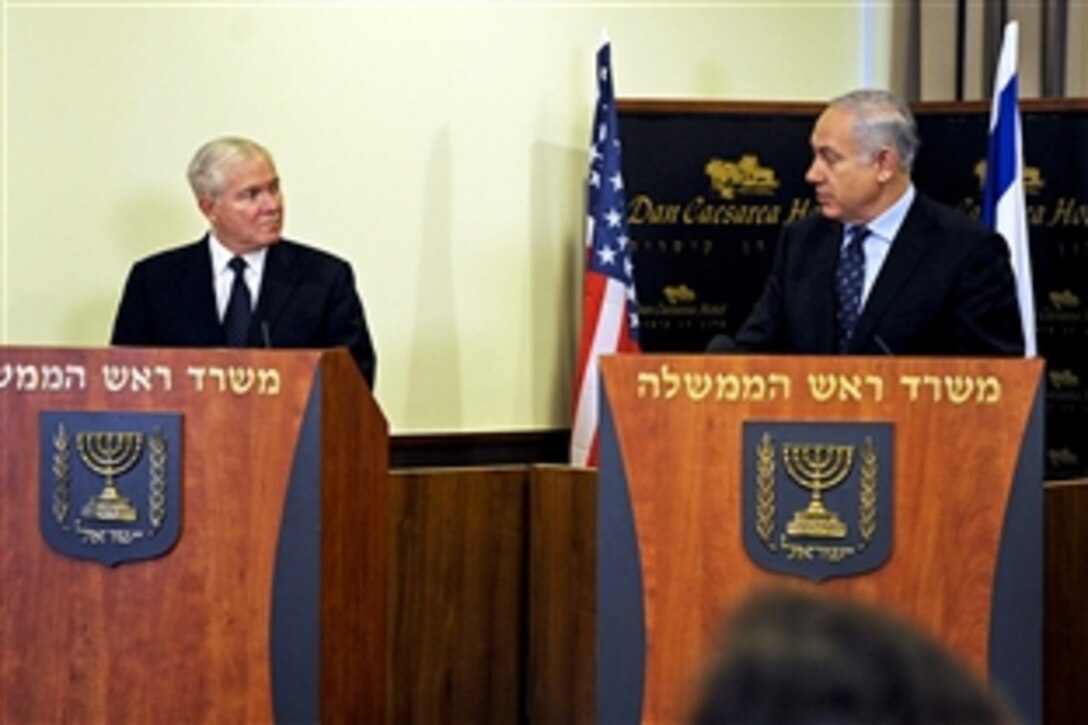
[(110, 454), (817, 468)]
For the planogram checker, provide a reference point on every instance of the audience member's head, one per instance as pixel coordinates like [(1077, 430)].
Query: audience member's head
[(790, 657)]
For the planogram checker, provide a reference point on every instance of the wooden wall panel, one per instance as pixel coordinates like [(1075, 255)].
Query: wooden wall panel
[(1065, 627), (457, 595), (561, 613)]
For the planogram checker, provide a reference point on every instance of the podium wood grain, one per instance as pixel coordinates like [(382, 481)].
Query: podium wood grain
[(681, 458), (457, 595), (1066, 628), (186, 637), (561, 613)]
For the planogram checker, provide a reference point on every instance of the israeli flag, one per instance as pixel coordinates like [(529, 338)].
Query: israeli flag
[(1003, 204)]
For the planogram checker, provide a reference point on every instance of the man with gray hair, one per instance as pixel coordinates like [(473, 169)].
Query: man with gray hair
[(882, 269), (242, 284)]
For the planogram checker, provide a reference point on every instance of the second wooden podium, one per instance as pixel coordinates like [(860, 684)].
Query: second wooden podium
[(912, 483)]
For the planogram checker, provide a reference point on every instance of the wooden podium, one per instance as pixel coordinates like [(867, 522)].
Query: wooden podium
[(270, 604), (938, 519)]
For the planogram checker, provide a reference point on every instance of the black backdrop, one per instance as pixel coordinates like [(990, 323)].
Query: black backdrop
[(710, 185)]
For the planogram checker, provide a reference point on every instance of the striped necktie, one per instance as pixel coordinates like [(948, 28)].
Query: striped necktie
[(849, 279)]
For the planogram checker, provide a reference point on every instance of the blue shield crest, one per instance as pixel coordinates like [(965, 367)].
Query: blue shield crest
[(817, 497), (110, 484)]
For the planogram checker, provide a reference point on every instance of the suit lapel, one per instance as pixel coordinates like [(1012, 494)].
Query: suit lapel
[(277, 284), (906, 254), (820, 305), (195, 292)]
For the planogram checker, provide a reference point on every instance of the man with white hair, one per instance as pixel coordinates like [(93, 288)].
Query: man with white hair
[(242, 284)]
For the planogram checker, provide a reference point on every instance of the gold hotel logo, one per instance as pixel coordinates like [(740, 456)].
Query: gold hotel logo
[(1033, 178), (742, 177)]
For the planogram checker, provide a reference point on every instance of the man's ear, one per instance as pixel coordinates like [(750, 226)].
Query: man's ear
[(887, 163), (206, 205)]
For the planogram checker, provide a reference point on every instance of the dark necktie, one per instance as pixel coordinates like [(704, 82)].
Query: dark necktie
[(239, 307), (849, 279)]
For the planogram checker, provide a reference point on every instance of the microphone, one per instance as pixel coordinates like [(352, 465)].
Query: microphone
[(721, 344), (266, 336)]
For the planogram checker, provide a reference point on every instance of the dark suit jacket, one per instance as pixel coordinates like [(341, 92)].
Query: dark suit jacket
[(307, 300), (946, 288)]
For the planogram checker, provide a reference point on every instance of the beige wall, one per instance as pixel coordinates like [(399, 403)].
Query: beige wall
[(440, 147)]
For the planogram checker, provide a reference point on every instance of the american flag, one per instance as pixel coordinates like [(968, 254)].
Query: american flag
[(609, 310), (1003, 203)]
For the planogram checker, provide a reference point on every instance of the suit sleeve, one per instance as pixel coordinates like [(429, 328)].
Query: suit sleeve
[(130, 323), (987, 313), (346, 324), (763, 330)]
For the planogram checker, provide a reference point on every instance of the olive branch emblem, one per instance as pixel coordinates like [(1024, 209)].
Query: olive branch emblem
[(867, 492), (62, 475), (765, 500), (156, 496)]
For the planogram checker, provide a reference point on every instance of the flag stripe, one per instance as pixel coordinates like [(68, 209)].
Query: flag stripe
[(609, 319), (1003, 133), (606, 339), (1004, 206)]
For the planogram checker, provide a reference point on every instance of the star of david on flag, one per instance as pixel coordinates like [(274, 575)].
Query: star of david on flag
[(609, 310)]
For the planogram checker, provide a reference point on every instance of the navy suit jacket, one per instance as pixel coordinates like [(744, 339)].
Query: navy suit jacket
[(946, 288), (307, 300)]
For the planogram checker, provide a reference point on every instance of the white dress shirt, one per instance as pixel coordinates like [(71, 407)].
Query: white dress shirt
[(882, 231), (223, 275)]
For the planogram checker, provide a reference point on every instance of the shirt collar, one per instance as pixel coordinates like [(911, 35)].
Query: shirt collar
[(886, 225), (221, 257)]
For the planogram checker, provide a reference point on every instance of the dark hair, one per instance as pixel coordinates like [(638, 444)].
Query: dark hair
[(790, 657)]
